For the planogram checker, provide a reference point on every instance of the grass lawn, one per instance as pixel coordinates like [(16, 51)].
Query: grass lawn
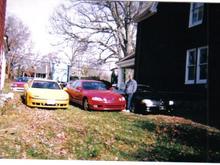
[(27, 133)]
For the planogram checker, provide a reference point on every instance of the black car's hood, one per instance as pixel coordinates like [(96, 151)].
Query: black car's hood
[(146, 95)]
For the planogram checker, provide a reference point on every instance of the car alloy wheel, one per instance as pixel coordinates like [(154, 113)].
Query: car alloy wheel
[(85, 105)]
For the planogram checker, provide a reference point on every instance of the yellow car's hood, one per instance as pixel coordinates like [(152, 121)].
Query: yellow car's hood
[(48, 94)]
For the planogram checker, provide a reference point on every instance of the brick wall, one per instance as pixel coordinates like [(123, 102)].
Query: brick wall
[(2, 22), (2, 55)]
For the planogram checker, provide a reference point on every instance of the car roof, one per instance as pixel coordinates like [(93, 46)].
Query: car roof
[(89, 80), (23, 77)]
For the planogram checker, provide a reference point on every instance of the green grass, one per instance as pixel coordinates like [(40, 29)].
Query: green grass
[(79, 135)]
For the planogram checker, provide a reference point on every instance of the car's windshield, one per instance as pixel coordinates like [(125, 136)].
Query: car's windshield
[(22, 79), (94, 86), (45, 85)]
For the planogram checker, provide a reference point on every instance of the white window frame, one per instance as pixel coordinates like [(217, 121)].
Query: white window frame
[(198, 80), (191, 24), (187, 81)]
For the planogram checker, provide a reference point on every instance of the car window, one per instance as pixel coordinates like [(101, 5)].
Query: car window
[(22, 79), (73, 85), (94, 86), (45, 85), (77, 84)]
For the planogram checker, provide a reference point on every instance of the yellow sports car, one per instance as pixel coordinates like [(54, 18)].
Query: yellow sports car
[(46, 94)]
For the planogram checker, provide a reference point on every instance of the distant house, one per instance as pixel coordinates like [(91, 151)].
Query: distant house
[(60, 72), (2, 43), (43, 70), (177, 49)]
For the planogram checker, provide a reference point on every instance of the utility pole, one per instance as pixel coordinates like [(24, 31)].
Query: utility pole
[(68, 73)]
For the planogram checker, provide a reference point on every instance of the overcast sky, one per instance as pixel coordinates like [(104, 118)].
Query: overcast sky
[(35, 14)]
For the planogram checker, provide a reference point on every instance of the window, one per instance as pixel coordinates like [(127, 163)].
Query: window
[(196, 14), (94, 86), (196, 66), (190, 66), (75, 84), (202, 65)]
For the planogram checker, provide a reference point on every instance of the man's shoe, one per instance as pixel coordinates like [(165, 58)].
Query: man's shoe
[(127, 110)]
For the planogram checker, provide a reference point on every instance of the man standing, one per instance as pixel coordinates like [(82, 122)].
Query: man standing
[(130, 89)]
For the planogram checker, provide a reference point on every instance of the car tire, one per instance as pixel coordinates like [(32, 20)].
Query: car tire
[(25, 100), (85, 104)]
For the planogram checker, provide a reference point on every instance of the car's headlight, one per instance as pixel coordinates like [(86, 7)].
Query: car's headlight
[(171, 102), (97, 99), (148, 102), (34, 97), (121, 99)]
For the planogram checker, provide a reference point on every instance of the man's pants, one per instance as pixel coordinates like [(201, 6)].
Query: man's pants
[(129, 99)]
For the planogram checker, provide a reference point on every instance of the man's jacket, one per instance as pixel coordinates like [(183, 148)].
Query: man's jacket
[(131, 87)]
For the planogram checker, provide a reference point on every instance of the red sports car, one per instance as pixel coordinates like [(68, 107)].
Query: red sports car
[(18, 84), (92, 94)]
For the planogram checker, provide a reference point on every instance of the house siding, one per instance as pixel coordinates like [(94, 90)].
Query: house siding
[(162, 42), (214, 67)]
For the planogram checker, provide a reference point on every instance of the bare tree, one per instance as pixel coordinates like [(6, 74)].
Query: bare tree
[(18, 41), (105, 27), (75, 52)]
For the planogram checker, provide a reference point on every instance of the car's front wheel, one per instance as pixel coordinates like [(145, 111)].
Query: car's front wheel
[(25, 100), (85, 104)]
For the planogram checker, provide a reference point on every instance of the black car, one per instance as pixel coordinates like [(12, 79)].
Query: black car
[(147, 100)]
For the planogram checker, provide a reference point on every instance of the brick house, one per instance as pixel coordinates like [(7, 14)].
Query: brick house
[(2, 42)]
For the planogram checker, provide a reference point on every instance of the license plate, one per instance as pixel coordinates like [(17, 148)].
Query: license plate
[(50, 101)]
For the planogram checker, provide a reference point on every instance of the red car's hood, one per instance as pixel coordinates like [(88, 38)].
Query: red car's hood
[(101, 93)]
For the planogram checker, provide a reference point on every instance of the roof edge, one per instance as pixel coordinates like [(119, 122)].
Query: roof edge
[(147, 12)]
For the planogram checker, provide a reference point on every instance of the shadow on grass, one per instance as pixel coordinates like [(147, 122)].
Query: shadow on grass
[(179, 142), (192, 136), (165, 151), (145, 125), (168, 153)]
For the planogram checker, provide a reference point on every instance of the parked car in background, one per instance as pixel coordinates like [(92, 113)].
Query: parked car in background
[(95, 95), (146, 100), (45, 94), (18, 84)]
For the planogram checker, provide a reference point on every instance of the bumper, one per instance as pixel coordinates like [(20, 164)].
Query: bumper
[(158, 109), (47, 104), (18, 89), (107, 106)]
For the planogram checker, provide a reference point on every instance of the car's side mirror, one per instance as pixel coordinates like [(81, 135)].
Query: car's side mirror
[(25, 86)]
